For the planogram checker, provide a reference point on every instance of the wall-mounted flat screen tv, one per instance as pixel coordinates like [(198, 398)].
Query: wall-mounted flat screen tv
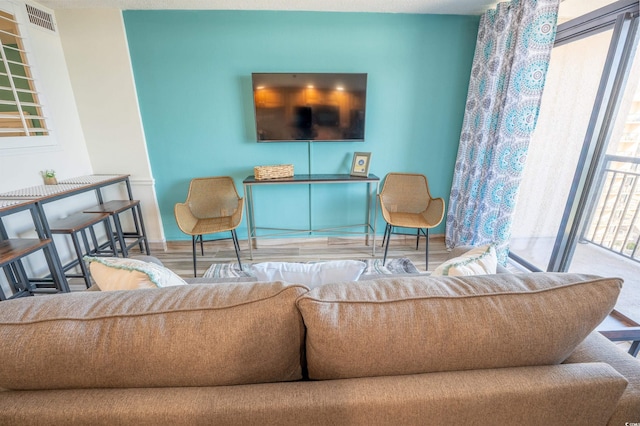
[(309, 106)]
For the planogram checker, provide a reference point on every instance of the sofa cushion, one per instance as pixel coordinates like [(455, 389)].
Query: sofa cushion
[(477, 261), (428, 324), (196, 335), (310, 274), (551, 395), (115, 273)]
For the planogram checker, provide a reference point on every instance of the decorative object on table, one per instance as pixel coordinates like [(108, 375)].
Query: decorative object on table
[(360, 164), (401, 265), (273, 172), (213, 205), (405, 202), (49, 177)]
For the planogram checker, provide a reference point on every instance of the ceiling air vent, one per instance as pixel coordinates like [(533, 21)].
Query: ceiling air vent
[(40, 18)]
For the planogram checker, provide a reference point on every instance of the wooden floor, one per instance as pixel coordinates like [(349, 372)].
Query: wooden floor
[(178, 255)]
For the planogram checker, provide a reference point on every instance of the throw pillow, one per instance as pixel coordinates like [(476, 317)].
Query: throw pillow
[(115, 273), (310, 274), (478, 261)]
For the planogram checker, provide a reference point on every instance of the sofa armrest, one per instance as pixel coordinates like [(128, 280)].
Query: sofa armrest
[(597, 348)]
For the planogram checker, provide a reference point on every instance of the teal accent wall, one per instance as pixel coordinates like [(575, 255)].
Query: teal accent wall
[(193, 78)]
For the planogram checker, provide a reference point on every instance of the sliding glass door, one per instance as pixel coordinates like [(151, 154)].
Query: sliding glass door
[(578, 204), (609, 232)]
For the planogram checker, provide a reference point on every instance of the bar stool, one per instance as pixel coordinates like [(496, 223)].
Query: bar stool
[(114, 208), (77, 225), (11, 253)]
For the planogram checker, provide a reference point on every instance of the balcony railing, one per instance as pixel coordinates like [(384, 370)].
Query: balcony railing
[(614, 219)]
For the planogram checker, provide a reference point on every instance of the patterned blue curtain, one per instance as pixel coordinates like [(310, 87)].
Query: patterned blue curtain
[(507, 78)]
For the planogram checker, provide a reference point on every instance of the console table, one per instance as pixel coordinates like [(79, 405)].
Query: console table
[(372, 182)]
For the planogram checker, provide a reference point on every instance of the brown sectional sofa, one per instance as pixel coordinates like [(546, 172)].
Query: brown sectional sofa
[(487, 350)]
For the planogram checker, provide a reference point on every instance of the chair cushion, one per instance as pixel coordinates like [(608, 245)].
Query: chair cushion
[(195, 335), (428, 324), (115, 273), (310, 274), (478, 261)]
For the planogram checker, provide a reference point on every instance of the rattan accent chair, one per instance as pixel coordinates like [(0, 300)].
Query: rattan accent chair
[(212, 206), (405, 202)]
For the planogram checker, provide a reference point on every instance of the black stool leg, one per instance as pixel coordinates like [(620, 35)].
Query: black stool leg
[(16, 283), (94, 240), (3, 296), (135, 212), (236, 245), (22, 278), (426, 249), (386, 247), (123, 243), (194, 238), (386, 232), (141, 231), (112, 240), (85, 240), (76, 245)]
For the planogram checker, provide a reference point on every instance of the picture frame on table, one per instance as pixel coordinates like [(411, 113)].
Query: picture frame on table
[(360, 164)]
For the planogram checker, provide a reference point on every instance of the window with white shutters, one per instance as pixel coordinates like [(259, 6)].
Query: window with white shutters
[(20, 108)]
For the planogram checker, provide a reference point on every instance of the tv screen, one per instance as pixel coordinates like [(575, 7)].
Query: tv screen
[(309, 106)]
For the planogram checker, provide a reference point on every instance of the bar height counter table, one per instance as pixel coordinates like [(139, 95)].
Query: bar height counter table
[(34, 198), (66, 188), (313, 179), (43, 194)]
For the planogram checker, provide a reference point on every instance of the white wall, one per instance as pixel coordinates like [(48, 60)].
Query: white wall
[(69, 157), (65, 152), (86, 86), (97, 57)]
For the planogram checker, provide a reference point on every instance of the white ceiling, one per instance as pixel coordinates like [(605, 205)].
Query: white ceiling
[(455, 7), (568, 8)]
